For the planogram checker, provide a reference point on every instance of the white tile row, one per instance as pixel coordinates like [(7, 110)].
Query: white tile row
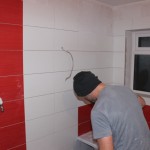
[(38, 13), (64, 101), (44, 126), (54, 61), (75, 15), (45, 105), (48, 83), (37, 38), (63, 140), (105, 75)]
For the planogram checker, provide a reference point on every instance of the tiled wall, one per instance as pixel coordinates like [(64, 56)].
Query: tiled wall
[(12, 120), (127, 17), (82, 27)]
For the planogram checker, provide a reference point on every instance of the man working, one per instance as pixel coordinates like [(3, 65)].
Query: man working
[(117, 118)]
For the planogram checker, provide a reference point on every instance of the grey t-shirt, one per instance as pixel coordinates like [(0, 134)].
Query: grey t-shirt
[(118, 113)]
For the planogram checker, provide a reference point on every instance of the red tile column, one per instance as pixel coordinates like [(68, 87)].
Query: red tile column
[(12, 120)]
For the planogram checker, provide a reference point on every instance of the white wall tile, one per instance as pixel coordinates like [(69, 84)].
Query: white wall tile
[(89, 41), (88, 13), (45, 143), (145, 9), (120, 26), (66, 14), (141, 23), (119, 43), (118, 76), (39, 128), (38, 13), (38, 61), (66, 139), (66, 39), (105, 75), (64, 101), (88, 60), (65, 119), (124, 12), (63, 140), (40, 106), (60, 82), (119, 60), (84, 60), (38, 84), (36, 38), (93, 17), (62, 61), (104, 59)]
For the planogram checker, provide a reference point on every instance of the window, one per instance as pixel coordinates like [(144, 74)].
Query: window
[(137, 69), (141, 77), (141, 62)]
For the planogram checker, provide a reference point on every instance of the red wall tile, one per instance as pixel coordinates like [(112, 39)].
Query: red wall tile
[(11, 11), (84, 113), (11, 37), (84, 128), (13, 113), (84, 119), (11, 87), (12, 135), (11, 63), (146, 111), (22, 147)]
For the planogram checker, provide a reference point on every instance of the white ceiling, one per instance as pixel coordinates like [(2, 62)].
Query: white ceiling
[(118, 2)]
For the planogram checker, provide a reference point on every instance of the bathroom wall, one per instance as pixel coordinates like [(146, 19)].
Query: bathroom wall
[(12, 120), (127, 17), (84, 28)]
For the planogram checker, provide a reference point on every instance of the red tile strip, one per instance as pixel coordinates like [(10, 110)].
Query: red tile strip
[(12, 136), (11, 11), (84, 119), (11, 37), (146, 111), (13, 113)]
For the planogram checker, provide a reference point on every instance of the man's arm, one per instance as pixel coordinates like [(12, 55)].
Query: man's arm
[(105, 143)]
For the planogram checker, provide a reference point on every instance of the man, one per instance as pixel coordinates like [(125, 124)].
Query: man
[(117, 118)]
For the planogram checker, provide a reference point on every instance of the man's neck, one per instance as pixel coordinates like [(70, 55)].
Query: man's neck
[(98, 90)]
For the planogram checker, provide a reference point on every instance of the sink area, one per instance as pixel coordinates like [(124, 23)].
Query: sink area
[(87, 138)]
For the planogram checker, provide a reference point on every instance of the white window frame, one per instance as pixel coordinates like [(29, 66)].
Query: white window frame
[(138, 50)]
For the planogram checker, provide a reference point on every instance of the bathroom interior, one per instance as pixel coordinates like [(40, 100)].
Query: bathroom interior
[(43, 44)]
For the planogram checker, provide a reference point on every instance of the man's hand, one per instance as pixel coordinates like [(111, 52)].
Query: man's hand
[(141, 101), (105, 143)]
